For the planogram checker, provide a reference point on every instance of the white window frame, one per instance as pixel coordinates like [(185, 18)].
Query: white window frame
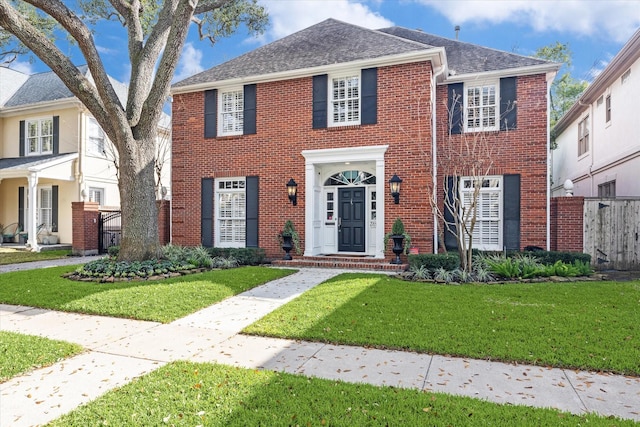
[(350, 104), (231, 111), (40, 138), (487, 233), (583, 136), (486, 120), (45, 207), (607, 109), (96, 139), (230, 212), (96, 194)]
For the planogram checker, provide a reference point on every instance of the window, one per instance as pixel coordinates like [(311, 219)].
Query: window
[(608, 189), (230, 212), (39, 136), (583, 136), (96, 195), (344, 100), (625, 76), (487, 233), (330, 207), (45, 203), (481, 108), (608, 108), (231, 112), (95, 141)]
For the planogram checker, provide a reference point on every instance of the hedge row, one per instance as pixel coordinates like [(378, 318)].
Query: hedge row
[(450, 261)]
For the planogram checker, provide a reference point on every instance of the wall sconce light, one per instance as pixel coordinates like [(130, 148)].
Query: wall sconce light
[(292, 190), (394, 186)]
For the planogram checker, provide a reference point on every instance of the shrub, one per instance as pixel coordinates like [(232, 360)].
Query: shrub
[(551, 257), (243, 256), (448, 261), (113, 251)]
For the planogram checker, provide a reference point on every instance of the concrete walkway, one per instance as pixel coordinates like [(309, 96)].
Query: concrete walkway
[(119, 350)]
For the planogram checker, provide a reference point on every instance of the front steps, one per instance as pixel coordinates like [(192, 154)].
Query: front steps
[(342, 262)]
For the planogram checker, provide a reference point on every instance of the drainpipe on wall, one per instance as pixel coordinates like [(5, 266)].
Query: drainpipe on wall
[(434, 155), (549, 163)]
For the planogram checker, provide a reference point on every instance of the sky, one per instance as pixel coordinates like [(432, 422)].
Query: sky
[(594, 30)]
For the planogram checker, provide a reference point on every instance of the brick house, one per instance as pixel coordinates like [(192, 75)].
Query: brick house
[(341, 109)]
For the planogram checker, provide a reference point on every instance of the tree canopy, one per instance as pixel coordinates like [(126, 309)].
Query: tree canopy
[(156, 32)]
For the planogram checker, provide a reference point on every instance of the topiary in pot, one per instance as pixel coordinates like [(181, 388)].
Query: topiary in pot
[(401, 240)]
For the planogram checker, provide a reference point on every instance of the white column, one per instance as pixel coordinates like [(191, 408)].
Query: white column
[(33, 210), (380, 198), (309, 183)]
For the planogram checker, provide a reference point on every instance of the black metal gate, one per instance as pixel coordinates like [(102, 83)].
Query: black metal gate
[(109, 230)]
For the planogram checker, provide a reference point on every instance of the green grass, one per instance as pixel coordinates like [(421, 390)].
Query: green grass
[(161, 300), (13, 256), (189, 394), (21, 353), (582, 325)]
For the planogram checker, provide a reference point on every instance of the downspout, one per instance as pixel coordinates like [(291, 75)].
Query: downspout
[(549, 81), (434, 155)]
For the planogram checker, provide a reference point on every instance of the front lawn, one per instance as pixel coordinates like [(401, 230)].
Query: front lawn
[(190, 394), (582, 325), (13, 256), (160, 300), (21, 353)]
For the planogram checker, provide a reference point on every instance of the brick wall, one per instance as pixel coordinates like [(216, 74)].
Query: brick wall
[(567, 232), (284, 117), (521, 151), (85, 217)]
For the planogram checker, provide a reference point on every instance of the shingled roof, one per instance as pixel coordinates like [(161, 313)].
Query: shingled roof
[(333, 42), (326, 43), (467, 58), (47, 86)]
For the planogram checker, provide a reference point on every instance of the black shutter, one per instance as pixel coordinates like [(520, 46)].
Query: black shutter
[(54, 208), (369, 96), (210, 113), (320, 101), (450, 241), (206, 222), (22, 138), (508, 104), (251, 237), (21, 208), (56, 134), (249, 120), (455, 104), (511, 212)]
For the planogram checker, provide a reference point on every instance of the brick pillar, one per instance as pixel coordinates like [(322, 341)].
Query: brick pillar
[(567, 233), (164, 221), (85, 217)]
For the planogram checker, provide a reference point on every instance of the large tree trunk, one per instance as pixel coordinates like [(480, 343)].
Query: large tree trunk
[(140, 238)]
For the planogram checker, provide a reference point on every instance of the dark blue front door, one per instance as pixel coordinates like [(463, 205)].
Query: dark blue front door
[(351, 211)]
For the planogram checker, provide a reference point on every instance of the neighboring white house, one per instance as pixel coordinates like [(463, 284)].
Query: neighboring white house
[(598, 143), (53, 153)]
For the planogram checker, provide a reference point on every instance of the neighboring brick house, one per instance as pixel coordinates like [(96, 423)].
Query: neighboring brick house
[(53, 153), (340, 109), (598, 148)]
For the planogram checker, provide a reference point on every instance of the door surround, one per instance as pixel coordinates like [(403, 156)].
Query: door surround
[(314, 161)]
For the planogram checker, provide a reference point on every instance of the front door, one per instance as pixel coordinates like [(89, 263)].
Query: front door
[(351, 215)]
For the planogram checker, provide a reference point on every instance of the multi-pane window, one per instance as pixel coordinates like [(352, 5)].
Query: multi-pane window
[(345, 100), (331, 208), (608, 189), (608, 108), (487, 232), (481, 108), (231, 112), (95, 142), (583, 136), (96, 195), (39, 134), (45, 207), (231, 212)]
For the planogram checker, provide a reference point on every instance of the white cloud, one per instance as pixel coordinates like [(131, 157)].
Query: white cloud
[(288, 17), (190, 62), (22, 66), (614, 19)]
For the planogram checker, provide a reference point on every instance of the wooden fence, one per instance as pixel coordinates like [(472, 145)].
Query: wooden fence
[(611, 233)]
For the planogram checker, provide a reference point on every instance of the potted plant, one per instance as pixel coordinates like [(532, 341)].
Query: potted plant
[(401, 240), (48, 238), (289, 240)]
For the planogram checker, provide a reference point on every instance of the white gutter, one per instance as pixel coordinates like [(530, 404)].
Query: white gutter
[(434, 154), (435, 55), (39, 106), (508, 72)]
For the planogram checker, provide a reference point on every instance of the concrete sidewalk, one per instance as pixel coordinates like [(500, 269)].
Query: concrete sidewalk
[(119, 350)]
